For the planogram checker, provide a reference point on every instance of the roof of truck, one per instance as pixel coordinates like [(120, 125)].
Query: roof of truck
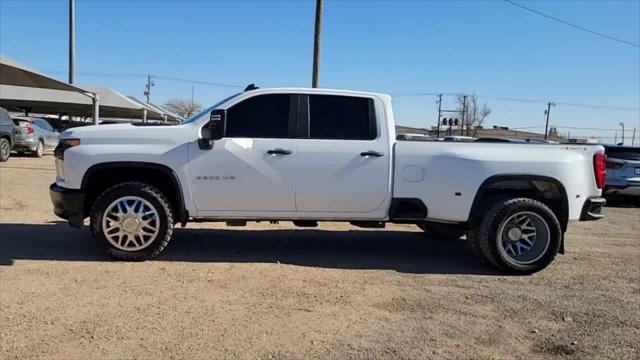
[(318, 91)]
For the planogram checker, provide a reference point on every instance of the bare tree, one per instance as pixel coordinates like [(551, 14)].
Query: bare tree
[(184, 108), (474, 113)]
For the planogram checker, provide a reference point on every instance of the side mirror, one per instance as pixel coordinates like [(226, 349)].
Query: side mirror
[(213, 130)]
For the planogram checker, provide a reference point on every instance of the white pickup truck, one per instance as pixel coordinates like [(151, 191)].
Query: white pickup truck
[(309, 155)]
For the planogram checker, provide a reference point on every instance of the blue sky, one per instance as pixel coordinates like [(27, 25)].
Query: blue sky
[(490, 48)]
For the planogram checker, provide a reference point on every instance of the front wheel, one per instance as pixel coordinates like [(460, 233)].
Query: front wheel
[(519, 236), (132, 221)]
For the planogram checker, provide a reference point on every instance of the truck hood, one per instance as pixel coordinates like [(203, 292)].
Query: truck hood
[(128, 134)]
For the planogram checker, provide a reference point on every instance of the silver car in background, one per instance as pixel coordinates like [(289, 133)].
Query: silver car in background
[(34, 135), (623, 171)]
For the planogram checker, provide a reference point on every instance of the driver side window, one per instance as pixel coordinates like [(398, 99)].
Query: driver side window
[(262, 116)]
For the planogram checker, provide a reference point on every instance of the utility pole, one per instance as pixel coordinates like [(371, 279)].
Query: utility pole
[(633, 137), (464, 108), (622, 124), (615, 138), (191, 97), (147, 91), (72, 40), (439, 113), (546, 125), (316, 45)]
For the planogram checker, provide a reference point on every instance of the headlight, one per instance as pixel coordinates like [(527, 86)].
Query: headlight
[(63, 145), (68, 143)]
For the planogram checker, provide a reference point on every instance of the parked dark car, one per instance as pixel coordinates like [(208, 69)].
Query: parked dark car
[(35, 135), (7, 135), (623, 171)]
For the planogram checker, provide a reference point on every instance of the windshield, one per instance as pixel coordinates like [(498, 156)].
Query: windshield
[(194, 117)]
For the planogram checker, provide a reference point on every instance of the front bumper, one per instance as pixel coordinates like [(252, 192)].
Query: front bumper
[(592, 209), (68, 204)]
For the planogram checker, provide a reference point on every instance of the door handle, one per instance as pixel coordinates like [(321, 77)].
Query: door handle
[(371, 153), (279, 151)]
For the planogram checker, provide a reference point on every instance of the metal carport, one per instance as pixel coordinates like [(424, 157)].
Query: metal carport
[(24, 88)]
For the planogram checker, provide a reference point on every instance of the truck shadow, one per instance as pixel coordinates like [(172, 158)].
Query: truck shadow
[(402, 251)]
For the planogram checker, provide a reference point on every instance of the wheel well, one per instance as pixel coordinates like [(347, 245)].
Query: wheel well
[(102, 176), (547, 190)]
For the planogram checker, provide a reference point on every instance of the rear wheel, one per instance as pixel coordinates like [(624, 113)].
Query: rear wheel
[(132, 221), (39, 151), (440, 231), (5, 149), (518, 236)]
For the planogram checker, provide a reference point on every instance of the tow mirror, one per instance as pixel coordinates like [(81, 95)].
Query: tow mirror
[(213, 130)]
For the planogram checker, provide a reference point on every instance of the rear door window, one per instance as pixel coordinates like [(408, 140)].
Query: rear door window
[(341, 117)]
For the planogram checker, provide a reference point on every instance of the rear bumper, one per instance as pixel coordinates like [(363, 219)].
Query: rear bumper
[(592, 209), (68, 204), (25, 144)]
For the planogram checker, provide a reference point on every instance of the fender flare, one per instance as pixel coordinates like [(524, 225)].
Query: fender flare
[(563, 216), (175, 181)]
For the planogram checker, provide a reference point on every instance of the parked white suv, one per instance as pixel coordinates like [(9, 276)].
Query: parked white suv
[(309, 155)]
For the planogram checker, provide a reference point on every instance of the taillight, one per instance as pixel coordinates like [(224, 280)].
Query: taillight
[(600, 169), (30, 130), (613, 165)]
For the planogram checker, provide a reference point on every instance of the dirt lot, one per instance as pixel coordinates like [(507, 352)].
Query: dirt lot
[(271, 291)]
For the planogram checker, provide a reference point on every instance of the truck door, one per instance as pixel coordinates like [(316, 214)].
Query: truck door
[(252, 167), (343, 163)]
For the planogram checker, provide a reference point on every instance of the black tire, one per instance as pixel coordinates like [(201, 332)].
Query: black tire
[(39, 150), (5, 149), (440, 231), (472, 240), (138, 189), (486, 237)]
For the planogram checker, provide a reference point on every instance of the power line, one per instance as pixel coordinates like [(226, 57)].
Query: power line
[(582, 28), (562, 127), (526, 127), (197, 81), (533, 101), (592, 106), (565, 103), (583, 128), (99, 74), (421, 94), (140, 75), (416, 94)]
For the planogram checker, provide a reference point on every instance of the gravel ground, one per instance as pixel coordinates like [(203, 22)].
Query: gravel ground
[(274, 291)]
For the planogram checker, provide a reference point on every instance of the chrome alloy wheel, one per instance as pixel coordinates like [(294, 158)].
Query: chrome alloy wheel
[(130, 223), (525, 237)]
